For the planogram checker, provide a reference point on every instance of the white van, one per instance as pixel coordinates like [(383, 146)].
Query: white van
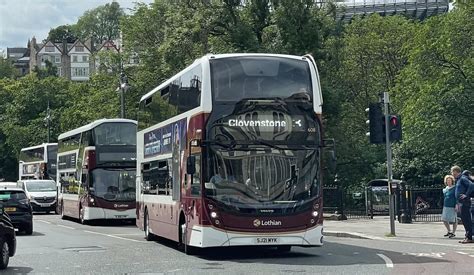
[(42, 194)]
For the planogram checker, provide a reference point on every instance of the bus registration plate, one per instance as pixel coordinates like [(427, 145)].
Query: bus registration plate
[(267, 240)]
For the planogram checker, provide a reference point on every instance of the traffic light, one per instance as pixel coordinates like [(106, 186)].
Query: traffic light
[(376, 123), (395, 127)]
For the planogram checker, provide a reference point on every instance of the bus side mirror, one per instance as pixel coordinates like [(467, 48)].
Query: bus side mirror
[(191, 165)]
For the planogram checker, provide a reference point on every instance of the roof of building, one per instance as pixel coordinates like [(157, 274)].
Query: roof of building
[(16, 50)]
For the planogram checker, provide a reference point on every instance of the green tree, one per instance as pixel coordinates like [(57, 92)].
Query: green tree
[(372, 54), (434, 94), (49, 70), (62, 33), (100, 24), (7, 69)]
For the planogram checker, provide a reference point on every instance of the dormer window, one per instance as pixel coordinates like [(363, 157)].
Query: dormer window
[(79, 48), (49, 49)]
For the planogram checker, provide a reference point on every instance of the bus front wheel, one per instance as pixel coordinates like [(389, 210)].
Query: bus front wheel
[(63, 217)]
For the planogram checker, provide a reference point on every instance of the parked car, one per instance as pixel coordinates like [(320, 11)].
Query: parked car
[(41, 193), (7, 239), (18, 207)]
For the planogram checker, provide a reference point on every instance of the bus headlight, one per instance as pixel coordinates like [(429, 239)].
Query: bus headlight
[(315, 213), (91, 200), (213, 215)]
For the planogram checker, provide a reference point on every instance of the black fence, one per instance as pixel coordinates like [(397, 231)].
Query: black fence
[(412, 204)]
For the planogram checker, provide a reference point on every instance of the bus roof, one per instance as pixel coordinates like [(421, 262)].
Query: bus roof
[(92, 125), (217, 56), (37, 146)]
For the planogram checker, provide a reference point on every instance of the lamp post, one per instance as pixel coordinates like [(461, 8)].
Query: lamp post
[(123, 88), (47, 120)]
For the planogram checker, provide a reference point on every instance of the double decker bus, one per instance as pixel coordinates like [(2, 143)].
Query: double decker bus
[(96, 171), (229, 154), (38, 162)]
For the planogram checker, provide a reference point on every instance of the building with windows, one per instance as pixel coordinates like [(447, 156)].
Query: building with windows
[(417, 9), (20, 59), (72, 60), (80, 61)]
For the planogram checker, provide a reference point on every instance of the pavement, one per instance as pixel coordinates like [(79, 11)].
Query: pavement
[(378, 228)]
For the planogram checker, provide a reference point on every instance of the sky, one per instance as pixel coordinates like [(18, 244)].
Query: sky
[(23, 19)]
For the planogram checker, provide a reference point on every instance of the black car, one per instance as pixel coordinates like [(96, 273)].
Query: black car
[(18, 207), (7, 239)]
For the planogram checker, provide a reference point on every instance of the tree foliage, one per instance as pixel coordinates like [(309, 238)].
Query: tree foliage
[(62, 33), (100, 24), (426, 66)]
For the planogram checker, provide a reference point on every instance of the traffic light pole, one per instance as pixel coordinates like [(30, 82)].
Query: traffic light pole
[(386, 102)]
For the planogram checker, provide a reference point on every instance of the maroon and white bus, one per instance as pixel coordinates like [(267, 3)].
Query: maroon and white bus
[(96, 171), (229, 153)]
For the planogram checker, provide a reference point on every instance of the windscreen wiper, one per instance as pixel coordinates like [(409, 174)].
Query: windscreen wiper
[(229, 146)]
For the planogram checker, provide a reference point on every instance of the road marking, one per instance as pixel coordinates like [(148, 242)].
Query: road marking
[(356, 253), (393, 239), (463, 253), (113, 236), (174, 270), (387, 260), (68, 227), (131, 234), (44, 221)]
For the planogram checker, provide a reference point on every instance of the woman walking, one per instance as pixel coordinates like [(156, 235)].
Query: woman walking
[(449, 215)]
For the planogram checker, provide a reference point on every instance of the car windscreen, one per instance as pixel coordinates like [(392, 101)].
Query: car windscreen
[(41, 186), (12, 195)]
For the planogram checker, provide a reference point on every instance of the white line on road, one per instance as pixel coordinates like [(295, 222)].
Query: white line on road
[(68, 227), (44, 221), (386, 259), (113, 236), (463, 253)]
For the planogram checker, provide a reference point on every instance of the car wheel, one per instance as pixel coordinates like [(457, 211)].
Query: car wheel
[(5, 254), (29, 229)]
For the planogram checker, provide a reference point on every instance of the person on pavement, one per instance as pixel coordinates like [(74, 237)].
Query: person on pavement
[(449, 207), (463, 197)]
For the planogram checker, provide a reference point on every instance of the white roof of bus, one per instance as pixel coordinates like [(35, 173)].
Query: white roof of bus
[(92, 125), (38, 146), (217, 56)]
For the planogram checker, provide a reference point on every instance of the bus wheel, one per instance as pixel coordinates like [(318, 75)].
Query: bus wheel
[(146, 227), (188, 250), (63, 217)]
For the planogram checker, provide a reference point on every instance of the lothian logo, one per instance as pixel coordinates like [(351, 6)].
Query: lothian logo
[(258, 223)]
